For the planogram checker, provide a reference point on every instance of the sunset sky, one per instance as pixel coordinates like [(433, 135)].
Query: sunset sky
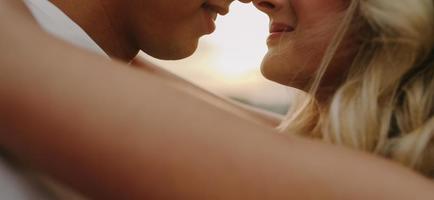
[(228, 61)]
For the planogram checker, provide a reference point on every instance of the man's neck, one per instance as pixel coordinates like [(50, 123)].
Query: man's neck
[(98, 18)]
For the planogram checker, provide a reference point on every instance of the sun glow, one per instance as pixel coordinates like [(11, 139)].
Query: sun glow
[(228, 61)]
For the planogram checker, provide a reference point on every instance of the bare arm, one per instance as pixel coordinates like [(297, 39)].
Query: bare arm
[(256, 114), (116, 133)]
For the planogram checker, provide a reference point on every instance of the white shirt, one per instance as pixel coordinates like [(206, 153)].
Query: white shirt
[(54, 21), (14, 184)]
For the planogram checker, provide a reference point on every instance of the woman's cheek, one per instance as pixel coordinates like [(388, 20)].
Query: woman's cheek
[(309, 11)]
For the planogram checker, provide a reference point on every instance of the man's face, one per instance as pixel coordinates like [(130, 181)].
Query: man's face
[(170, 29)]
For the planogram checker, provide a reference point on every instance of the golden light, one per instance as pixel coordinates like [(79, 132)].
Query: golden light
[(228, 61)]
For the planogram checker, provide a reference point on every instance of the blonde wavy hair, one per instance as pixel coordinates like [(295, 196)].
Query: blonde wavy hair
[(386, 104)]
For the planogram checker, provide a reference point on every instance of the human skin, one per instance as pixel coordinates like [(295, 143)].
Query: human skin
[(111, 24), (165, 29), (258, 115), (64, 120), (295, 53)]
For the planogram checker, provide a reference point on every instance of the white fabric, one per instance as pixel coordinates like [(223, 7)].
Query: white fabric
[(54, 21), (15, 186)]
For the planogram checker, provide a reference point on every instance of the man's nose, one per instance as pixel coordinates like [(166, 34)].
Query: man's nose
[(221, 7), (245, 1)]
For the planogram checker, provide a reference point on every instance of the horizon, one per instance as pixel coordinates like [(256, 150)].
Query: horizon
[(228, 61)]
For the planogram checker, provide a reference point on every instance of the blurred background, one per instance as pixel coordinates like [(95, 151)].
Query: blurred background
[(228, 61)]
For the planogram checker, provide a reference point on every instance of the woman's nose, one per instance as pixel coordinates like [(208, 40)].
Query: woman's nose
[(268, 6)]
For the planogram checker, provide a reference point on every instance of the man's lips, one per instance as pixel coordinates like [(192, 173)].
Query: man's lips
[(213, 15), (280, 28), (210, 17), (211, 10)]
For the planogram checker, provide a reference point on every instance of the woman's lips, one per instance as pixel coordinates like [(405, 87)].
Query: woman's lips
[(277, 30)]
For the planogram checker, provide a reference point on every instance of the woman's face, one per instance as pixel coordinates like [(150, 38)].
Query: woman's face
[(300, 31)]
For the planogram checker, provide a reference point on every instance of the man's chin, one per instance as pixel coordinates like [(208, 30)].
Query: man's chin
[(174, 53)]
